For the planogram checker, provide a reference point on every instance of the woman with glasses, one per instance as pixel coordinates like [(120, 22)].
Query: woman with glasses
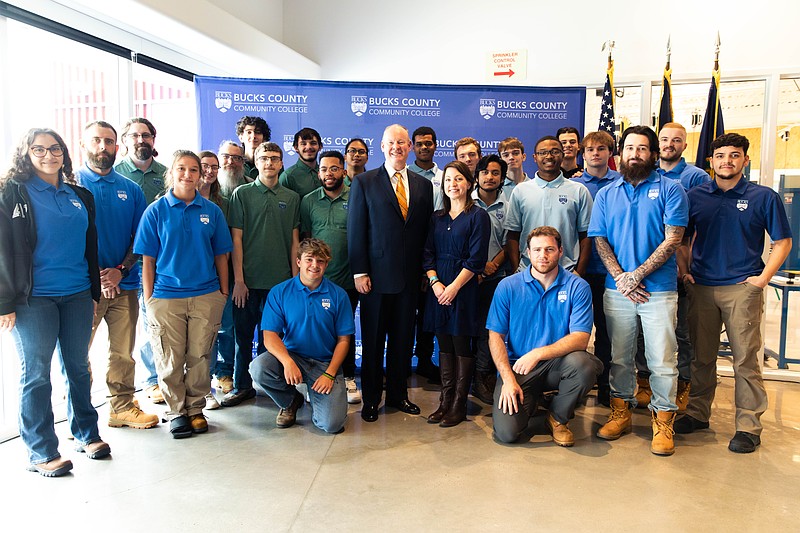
[(184, 242), (356, 155), (49, 276), (455, 254)]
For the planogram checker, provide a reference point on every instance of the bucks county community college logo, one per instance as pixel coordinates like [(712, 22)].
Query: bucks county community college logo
[(288, 140), (205, 219), (652, 193), (326, 303), (741, 205), (358, 105), (77, 204), (122, 195), (562, 199), (223, 100), (562, 296), (487, 108)]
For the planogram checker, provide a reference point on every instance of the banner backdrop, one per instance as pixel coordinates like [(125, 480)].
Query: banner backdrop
[(340, 111)]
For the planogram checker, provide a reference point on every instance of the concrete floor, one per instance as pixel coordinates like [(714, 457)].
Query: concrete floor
[(401, 474)]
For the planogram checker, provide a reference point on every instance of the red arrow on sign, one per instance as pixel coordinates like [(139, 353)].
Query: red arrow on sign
[(508, 73)]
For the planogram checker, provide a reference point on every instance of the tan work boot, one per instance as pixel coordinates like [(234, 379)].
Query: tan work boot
[(619, 421), (154, 393), (644, 393), (682, 398), (561, 433), (133, 418), (663, 443), (287, 416)]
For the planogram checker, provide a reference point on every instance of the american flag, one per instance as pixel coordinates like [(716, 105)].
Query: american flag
[(607, 110)]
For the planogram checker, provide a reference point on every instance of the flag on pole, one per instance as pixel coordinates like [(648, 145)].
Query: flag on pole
[(665, 109), (607, 122), (713, 126)]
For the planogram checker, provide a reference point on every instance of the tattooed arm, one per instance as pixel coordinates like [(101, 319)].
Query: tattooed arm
[(628, 281), (607, 256)]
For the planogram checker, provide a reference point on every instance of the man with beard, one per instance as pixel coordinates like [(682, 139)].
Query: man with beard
[(550, 199), (120, 204), (231, 172), (551, 355), (671, 164), (302, 177), (637, 224), (323, 216), (570, 139), (138, 139), (252, 131), (468, 151), (491, 174), (264, 217), (728, 218)]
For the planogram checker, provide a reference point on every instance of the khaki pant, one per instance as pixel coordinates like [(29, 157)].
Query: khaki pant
[(182, 333), (120, 314), (740, 308)]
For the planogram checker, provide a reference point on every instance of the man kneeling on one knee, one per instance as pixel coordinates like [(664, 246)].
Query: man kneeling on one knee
[(307, 323), (539, 326)]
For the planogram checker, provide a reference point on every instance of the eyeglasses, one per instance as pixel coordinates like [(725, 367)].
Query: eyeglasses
[(354, 151), (142, 136), (206, 166), (235, 158), (325, 170), (271, 159), (555, 152), (40, 151)]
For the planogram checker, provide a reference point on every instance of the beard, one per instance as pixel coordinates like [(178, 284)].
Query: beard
[(229, 180), (335, 186), (101, 161), (143, 151), (638, 171)]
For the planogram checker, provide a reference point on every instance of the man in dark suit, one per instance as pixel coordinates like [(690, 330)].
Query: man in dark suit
[(389, 213)]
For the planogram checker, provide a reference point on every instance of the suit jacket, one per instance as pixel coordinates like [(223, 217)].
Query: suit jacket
[(379, 241)]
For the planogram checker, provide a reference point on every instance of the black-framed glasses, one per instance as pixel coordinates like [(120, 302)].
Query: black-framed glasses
[(333, 169), (555, 152), (235, 158), (40, 151), (142, 136), (354, 151), (206, 166)]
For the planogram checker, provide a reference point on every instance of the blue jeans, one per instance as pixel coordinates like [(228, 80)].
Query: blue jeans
[(47, 323), (223, 353), (658, 317), (146, 351), (330, 410)]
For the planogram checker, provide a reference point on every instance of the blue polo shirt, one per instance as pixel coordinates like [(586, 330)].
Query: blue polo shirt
[(689, 176), (594, 184), (435, 176), (310, 321), (561, 203), (61, 221), (120, 204), (497, 237), (184, 239), (729, 230), (531, 317), (632, 220)]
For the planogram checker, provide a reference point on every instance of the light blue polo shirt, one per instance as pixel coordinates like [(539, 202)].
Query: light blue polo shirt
[(119, 203), (561, 203), (435, 176), (60, 267), (633, 220), (594, 184), (729, 228), (497, 236), (310, 321), (509, 185), (531, 317), (689, 176), (184, 239)]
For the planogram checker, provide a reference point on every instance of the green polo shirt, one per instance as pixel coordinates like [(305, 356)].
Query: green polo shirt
[(326, 219), (267, 218), (300, 178), (151, 181), (250, 170)]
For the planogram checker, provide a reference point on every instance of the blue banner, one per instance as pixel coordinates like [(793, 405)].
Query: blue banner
[(340, 111)]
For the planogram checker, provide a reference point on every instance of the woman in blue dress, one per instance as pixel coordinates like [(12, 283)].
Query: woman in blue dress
[(455, 253)]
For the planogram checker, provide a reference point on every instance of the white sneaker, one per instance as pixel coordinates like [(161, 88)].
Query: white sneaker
[(353, 394), (211, 402)]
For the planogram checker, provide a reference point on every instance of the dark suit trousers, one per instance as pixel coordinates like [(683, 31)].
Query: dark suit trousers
[(382, 316)]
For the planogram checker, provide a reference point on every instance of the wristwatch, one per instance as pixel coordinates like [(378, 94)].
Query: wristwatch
[(123, 270)]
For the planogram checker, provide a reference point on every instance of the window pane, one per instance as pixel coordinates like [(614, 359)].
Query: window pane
[(787, 147), (627, 107)]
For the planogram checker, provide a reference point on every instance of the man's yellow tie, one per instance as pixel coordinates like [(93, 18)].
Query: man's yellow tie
[(402, 199)]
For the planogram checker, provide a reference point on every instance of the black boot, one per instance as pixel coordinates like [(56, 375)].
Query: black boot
[(458, 409), (483, 386), (448, 377)]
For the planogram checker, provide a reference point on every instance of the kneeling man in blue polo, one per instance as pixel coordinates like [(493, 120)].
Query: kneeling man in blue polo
[(307, 323), (539, 326)]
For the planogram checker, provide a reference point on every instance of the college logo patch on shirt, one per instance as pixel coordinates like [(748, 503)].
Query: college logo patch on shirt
[(158, 182), (122, 195), (653, 193), (326, 303), (741, 205), (499, 215), (282, 205), (562, 296), (205, 219), (77, 204), (562, 199), (344, 206)]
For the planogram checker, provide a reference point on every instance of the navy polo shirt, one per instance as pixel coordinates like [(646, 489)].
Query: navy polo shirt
[(310, 321), (689, 176), (531, 317), (594, 184), (184, 239), (120, 204), (729, 230), (60, 267), (633, 220)]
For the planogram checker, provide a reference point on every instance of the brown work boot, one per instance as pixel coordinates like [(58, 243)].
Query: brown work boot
[(619, 421), (133, 418), (663, 443), (682, 398), (644, 393), (199, 423), (561, 433), (225, 384), (287, 417), (154, 393)]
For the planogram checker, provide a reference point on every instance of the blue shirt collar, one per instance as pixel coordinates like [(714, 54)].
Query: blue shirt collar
[(94, 177), (560, 279), (298, 285), (739, 188), (677, 171), (542, 183), (654, 177), (172, 201), (40, 185)]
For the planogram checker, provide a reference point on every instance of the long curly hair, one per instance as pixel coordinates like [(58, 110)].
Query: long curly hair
[(21, 165)]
